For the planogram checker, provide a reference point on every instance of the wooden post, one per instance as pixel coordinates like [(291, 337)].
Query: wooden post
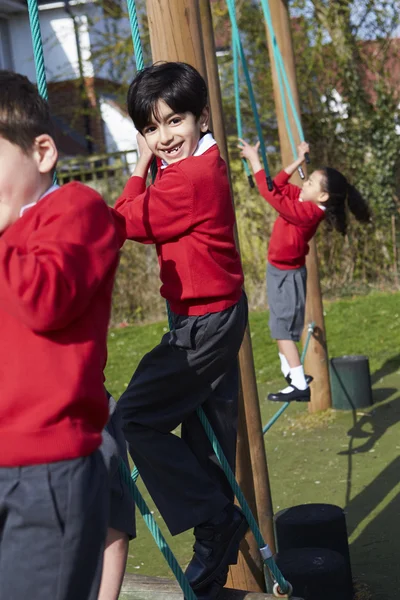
[(316, 362), (176, 34)]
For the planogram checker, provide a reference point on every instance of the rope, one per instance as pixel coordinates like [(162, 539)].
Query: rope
[(155, 530), (237, 106), (282, 76), (137, 44), (265, 553), (239, 48), (282, 409), (138, 52), (37, 48)]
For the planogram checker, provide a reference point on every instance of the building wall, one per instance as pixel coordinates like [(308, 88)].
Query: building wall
[(74, 101), (59, 41), (59, 44)]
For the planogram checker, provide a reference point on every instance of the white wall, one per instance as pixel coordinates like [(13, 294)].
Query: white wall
[(60, 50), (119, 131)]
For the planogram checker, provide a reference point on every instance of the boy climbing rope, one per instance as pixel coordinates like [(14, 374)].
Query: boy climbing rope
[(59, 249), (187, 213), (325, 195)]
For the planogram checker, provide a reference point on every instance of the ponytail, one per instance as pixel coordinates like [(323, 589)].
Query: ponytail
[(357, 205), (342, 195)]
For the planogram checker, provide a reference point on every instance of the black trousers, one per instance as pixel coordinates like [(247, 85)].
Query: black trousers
[(194, 365)]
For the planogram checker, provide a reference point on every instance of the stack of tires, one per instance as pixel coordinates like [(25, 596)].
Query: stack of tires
[(314, 551)]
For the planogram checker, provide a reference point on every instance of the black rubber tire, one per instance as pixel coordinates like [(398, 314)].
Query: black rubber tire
[(313, 526), (315, 573)]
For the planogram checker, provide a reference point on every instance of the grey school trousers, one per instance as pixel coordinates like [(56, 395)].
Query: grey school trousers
[(194, 365), (53, 523)]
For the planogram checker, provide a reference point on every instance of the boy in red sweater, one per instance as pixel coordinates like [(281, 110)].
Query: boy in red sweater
[(325, 195), (187, 213), (58, 255)]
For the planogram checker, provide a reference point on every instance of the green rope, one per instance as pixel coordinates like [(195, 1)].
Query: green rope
[(268, 561), (280, 66), (37, 48), (283, 80), (239, 47), (137, 44), (138, 52), (237, 106), (155, 530)]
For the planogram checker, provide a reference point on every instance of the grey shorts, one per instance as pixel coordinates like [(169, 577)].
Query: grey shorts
[(286, 292), (113, 448), (53, 523)]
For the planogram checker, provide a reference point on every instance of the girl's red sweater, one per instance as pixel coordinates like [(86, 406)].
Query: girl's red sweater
[(296, 224)]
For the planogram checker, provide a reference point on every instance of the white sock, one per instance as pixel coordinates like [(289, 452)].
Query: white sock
[(287, 390), (284, 365), (297, 378)]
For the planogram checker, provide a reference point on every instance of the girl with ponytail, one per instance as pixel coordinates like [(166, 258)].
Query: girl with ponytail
[(325, 195)]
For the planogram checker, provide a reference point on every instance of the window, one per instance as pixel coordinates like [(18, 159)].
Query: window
[(6, 61)]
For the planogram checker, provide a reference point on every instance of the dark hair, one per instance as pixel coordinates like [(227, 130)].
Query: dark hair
[(342, 195), (24, 115), (177, 83)]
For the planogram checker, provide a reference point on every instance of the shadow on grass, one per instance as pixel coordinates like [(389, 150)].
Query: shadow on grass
[(388, 367), (375, 550)]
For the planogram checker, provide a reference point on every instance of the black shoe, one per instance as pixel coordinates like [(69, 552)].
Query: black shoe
[(296, 395), (213, 589), (216, 547), (309, 379)]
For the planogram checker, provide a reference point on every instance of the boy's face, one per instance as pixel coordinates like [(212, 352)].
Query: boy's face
[(24, 176), (171, 136)]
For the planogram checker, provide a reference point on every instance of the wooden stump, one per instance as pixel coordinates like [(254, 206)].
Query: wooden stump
[(139, 587)]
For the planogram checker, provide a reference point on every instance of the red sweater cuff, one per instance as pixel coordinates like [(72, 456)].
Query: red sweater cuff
[(260, 177), (134, 186)]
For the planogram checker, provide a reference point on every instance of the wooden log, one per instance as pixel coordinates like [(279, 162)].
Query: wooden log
[(139, 587)]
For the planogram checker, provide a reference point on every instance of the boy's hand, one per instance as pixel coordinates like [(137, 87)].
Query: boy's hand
[(144, 151), (145, 157), (302, 150)]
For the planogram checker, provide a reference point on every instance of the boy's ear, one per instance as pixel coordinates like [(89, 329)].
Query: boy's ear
[(45, 153), (204, 119)]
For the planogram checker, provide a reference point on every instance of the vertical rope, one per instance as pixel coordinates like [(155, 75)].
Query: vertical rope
[(237, 42), (138, 52), (280, 68), (237, 106), (37, 48), (137, 44)]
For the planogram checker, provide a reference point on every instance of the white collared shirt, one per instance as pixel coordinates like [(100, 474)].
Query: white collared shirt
[(205, 143), (51, 189)]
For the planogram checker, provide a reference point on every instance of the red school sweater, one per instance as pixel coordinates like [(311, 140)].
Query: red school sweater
[(57, 265), (188, 214), (295, 226)]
